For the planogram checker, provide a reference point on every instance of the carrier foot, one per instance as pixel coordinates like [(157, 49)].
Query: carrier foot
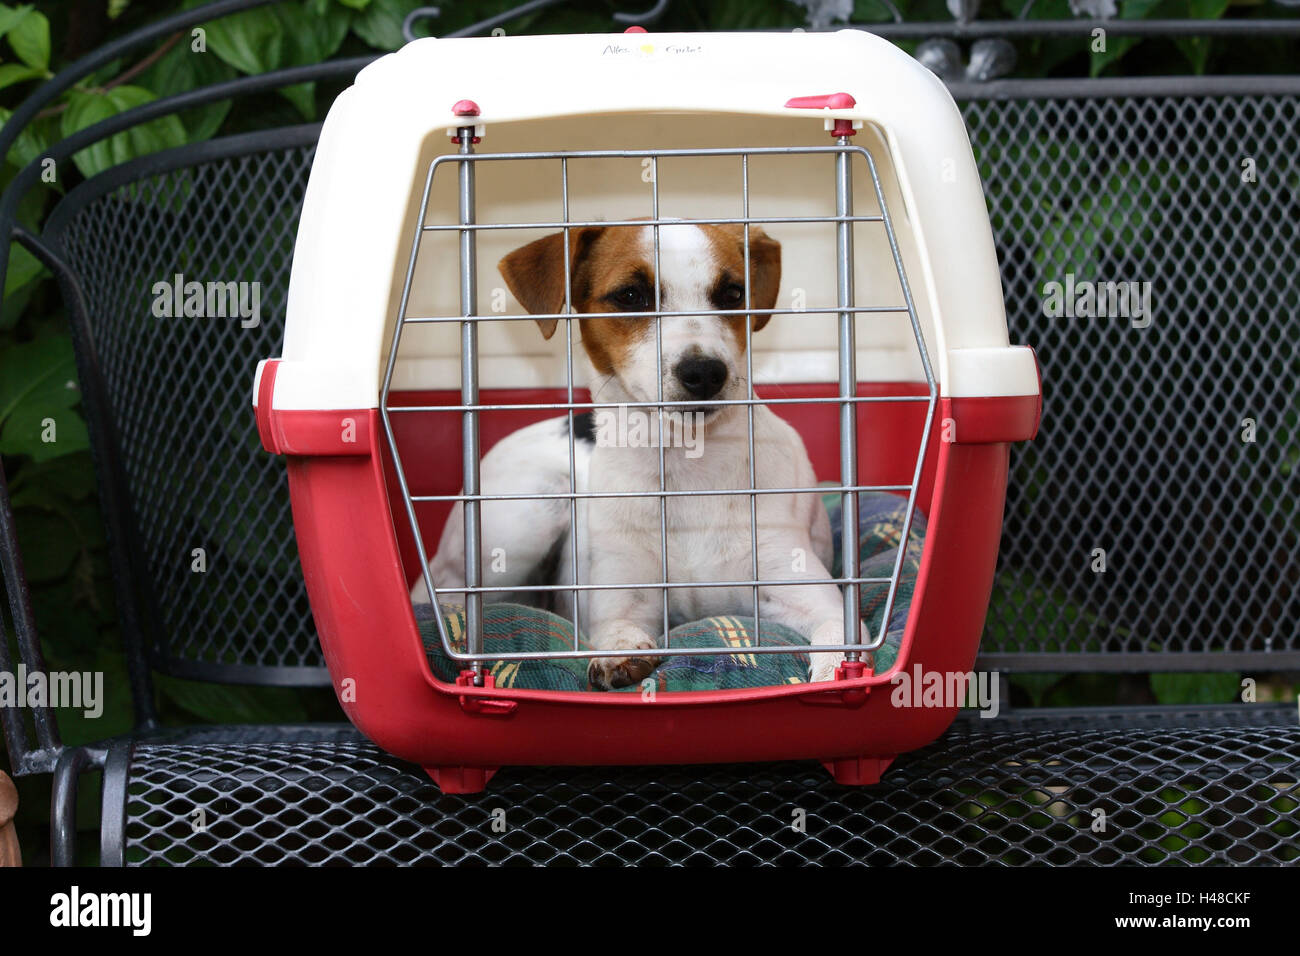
[(857, 771), (461, 779)]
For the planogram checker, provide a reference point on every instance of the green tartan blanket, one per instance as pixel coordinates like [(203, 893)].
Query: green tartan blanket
[(513, 628)]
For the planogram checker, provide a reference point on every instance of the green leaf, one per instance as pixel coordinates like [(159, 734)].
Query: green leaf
[(45, 484), (90, 523), (1116, 47), (355, 4), (26, 430), (38, 371), (10, 16), (203, 122), (49, 544), (66, 623), (380, 24), (30, 38), (868, 11), (23, 268), (37, 388), (1184, 688), (15, 306), (182, 70), (1197, 49), (86, 109), (116, 716), (252, 42), (303, 97), (11, 73), (30, 142), (310, 37)]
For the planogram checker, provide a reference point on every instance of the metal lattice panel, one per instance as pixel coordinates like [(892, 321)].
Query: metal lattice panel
[(1141, 451), (472, 593), (1219, 786), (178, 387)]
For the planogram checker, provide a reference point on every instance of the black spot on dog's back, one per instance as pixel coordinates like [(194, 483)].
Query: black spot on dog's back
[(584, 427)]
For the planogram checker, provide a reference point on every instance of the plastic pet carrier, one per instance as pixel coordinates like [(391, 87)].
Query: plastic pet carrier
[(407, 358)]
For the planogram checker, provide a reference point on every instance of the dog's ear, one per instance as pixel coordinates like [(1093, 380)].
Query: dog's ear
[(535, 272), (764, 269), (764, 272)]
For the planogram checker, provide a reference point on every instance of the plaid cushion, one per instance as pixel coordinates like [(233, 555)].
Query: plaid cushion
[(881, 516), (513, 628)]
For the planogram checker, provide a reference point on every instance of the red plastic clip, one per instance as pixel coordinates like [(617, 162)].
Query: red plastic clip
[(483, 706), (635, 30), (827, 101), (846, 697), (851, 670), (467, 109)]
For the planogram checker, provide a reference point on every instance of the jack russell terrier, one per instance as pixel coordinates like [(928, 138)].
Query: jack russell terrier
[(611, 269)]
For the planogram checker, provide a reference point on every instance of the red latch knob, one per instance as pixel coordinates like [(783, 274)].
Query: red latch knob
[(635, 30), (850, 670), (827, 101), (465, 108)]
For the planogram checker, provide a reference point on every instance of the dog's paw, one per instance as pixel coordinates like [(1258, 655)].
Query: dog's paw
[(823, 666), (606, 673)]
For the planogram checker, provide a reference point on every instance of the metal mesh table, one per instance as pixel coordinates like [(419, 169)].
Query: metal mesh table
[(1212, 785)]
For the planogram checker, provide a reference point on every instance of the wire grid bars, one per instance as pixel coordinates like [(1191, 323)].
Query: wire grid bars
[(467, 230)]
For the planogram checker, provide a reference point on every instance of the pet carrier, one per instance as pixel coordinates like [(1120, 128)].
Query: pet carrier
[(405, 360)]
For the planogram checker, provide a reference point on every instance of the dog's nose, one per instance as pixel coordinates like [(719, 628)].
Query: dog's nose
[(701, 376)]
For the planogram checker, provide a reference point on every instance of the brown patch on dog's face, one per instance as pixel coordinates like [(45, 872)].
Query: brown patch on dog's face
[(608, 272), (728, 241), (616, 277)]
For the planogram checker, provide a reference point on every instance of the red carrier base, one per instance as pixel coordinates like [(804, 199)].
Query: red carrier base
[(359, 561)]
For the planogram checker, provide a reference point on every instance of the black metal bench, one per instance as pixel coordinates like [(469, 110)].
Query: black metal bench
[(1139, 455)]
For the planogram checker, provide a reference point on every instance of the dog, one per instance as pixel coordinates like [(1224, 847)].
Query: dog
[(696, 358)]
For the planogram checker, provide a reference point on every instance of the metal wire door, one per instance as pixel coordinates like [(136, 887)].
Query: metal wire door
[(463, 165)]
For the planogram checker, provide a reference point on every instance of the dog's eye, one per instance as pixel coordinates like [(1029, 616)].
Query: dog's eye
[(733, 295), (630, 297)]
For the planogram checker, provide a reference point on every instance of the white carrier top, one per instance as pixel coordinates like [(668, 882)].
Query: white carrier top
[(640, 91)]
